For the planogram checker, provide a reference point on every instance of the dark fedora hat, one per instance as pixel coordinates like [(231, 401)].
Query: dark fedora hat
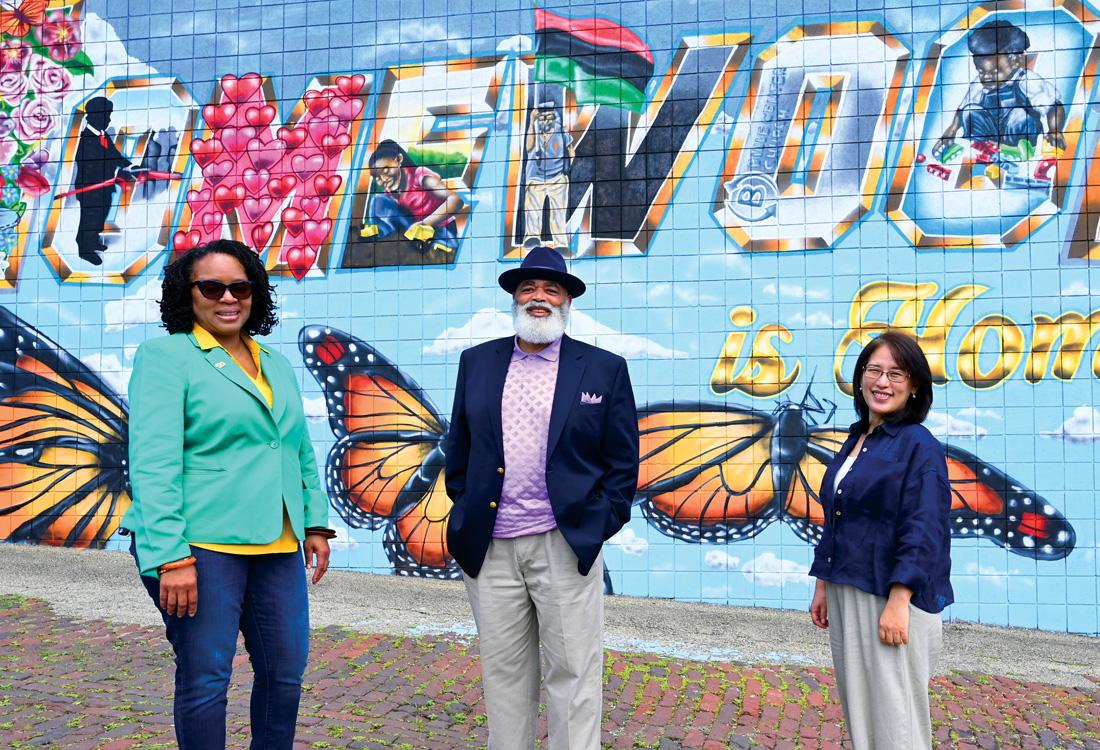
[(542, 263)]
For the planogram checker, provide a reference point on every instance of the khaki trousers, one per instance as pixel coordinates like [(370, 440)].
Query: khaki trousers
[(556, 191), (529, 591), (883, 689)]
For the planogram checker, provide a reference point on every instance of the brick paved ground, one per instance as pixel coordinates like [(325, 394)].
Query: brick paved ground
[(93, 684)]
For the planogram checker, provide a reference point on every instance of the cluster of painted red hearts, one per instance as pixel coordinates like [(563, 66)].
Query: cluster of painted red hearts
[(253, 175)]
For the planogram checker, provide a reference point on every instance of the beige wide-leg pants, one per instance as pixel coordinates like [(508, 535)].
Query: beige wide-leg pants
[(883, 689), (529, 591), (556, 191)]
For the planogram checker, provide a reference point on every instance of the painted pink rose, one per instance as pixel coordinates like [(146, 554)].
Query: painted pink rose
[(60, 36), (12, 87), (8, 147), (48, 80), (34, 118), (13, 55)]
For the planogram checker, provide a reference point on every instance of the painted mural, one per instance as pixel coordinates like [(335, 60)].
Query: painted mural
[(751, 198)]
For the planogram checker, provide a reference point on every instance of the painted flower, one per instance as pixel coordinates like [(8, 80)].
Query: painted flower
[(13, 55), (33, 182), (34, 118), (12, 86), (10, 195), (6, 124), (60, 35), (48, 80), (8, 147), (37, 159)]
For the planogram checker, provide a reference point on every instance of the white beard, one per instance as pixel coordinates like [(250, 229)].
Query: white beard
[(540, 330)]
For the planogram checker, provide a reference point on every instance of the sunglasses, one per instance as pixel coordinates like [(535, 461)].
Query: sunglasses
[(215, 290)]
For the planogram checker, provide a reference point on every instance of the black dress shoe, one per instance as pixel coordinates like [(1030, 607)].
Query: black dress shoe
[(92, 258)]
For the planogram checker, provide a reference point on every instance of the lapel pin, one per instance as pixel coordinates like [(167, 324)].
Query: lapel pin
[(219, 365)]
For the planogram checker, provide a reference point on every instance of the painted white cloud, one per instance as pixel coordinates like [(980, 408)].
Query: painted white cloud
[(108, 367), (795, 291), (428, 33), (813, 320), (139, 308), (723, 123), (716, 559), (516, 43), (658, 294), (343, 539), (769, 570), (630, 543), (1082, 427), (943, 425), (315, 408), (487, 324), (989, 574), (1078, 289), (108, 54), (970, 412)]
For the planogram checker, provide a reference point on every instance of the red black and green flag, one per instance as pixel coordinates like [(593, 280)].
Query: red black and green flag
[(603, 62)]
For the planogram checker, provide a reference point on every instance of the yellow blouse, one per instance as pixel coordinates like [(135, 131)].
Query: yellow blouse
[(287, 542)]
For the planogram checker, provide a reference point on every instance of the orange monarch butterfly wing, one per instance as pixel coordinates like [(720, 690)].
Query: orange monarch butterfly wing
[(802, 509), (416, 541), (705, 473), (386, 465), (988, 504), (385, 427), (17, 21), (63, 441)]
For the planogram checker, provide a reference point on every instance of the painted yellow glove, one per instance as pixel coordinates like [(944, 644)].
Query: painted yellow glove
[(420, 232)]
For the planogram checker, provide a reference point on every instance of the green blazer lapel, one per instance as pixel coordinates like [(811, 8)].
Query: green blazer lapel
[(220, 360), (279, 387)]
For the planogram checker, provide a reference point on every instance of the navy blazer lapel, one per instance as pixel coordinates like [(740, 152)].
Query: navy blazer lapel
[(566, 392), (495, 378)]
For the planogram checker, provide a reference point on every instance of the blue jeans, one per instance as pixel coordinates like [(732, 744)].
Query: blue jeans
[(264, 597)]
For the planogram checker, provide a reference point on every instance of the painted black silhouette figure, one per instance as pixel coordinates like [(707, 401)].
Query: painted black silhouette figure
[(98, 161)]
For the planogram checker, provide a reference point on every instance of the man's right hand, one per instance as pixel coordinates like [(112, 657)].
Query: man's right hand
[(179, 591)]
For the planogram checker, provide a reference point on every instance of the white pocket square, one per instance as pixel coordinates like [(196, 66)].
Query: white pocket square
[(591, 398)]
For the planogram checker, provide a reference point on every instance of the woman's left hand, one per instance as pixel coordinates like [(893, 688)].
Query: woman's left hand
[(317, 553), (893, 625)]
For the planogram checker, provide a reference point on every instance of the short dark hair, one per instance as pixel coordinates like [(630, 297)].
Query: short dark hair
[(98, 105), (389, 149), (997, 38), (175, 302), (907, 353)]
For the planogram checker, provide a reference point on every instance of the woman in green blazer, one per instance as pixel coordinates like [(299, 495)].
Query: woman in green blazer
[(225, 488)]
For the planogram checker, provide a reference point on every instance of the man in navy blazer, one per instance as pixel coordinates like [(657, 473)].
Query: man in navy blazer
[(542, 466)]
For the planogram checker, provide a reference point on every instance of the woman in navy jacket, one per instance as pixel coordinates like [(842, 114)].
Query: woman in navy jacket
[(883, 563)]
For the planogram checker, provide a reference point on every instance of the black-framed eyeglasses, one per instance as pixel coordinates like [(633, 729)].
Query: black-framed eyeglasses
[(215, 290), (874, 372)]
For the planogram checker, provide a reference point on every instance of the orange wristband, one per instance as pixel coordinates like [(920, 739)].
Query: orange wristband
[(184, 563)]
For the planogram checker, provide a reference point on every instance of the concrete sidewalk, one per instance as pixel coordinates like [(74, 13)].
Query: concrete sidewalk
[(393, 665)]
